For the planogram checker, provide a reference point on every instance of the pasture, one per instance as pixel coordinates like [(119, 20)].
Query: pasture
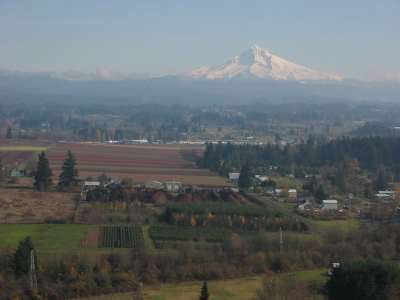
[(29, 206)]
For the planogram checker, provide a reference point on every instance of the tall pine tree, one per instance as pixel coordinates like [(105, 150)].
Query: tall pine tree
[(244, 181), (204, 295), (69, 173), (9, 132), (43, 173), (22, 257)]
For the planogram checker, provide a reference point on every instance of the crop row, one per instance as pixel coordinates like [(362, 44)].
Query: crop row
[(186, 233), (121, 237), (222, 208)]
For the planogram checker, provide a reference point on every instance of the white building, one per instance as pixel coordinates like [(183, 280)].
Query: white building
[(386, 195), (292, 193), (329, 204), (154, 184), (91, 184), (234, 175), (173, 186), (261, 178)]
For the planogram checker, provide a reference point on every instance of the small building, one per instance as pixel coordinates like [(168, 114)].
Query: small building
[(261, 178), (173, 186), (386, 195), (234, 176), (329, 204), (90, 185), (304, 206), (154, 184), (292, 193), (17, 173), (278, 192)]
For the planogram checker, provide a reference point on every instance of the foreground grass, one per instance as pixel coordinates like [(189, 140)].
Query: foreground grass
[(344, 226), (230, 289), (47, 238)]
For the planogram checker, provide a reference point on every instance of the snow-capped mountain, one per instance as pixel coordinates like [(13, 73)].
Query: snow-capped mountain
[(261, 63)]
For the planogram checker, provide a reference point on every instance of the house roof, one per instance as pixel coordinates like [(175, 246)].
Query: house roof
[(329, 201)]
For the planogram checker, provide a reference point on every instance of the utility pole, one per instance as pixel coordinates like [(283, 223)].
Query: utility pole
[(32, 271), (280, 239)]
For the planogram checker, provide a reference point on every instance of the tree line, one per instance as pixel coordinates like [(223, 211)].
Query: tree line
[(369, 153)]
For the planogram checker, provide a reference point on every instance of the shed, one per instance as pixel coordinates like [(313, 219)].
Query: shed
[(330, 204)]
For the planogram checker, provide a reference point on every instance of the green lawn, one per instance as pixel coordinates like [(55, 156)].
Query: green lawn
[(47, 238), (342, 225), (230, 289)]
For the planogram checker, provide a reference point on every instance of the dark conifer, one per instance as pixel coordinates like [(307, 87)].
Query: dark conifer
[(69, 174), (43, 173), (204, 295)]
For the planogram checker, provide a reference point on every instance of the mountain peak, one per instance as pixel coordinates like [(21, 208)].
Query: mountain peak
[(258, 62)]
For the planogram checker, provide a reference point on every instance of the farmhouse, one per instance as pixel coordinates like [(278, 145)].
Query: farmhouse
[(329, 204), (173, 186)]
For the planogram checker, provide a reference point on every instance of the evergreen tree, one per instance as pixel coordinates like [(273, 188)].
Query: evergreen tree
[(320, 194), (22, 257), (245, 177), (204, 295), (69, 174), (43, 173), (9, 132), (381, 180)]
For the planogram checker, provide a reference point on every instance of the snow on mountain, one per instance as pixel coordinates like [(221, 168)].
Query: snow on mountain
[(258, 62)]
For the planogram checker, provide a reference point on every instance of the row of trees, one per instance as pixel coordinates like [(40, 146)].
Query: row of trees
[(43, 176), (369, 153)]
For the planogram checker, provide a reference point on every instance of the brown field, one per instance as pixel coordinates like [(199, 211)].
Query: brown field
[(138, 162), (27, 206)]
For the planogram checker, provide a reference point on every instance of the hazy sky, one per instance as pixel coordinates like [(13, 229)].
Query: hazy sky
[(349, 37)]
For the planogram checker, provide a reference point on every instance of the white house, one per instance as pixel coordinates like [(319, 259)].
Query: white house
[(329, 204), (154, 184), (91, 184), (234, 175), (386, 195), (173, 186), (261, 178)]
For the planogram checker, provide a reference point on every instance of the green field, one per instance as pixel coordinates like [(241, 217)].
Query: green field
[(47, 238), (230, 289)]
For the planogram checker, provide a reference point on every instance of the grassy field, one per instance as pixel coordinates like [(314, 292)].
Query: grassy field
[(347, 225), (29, 206), (231, 289), (47, 238)]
